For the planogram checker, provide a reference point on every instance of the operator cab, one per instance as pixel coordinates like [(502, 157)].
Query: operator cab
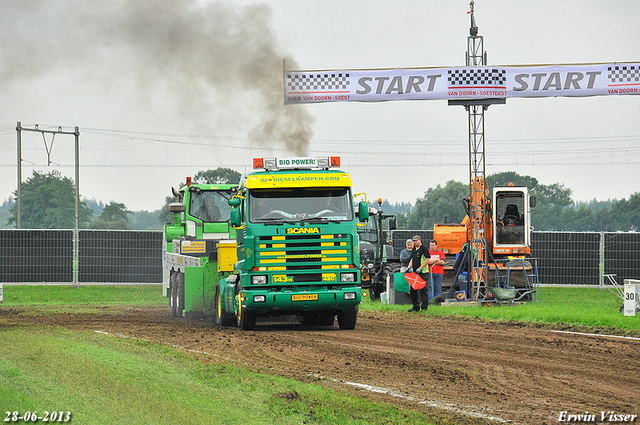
[(202, 211), (511, 215), (211, 205)]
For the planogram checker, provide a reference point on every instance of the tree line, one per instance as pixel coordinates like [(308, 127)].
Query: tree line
[(555, 210), (48, 202)]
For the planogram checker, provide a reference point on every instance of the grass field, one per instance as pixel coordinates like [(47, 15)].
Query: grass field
[(102, 379), (579, 307)]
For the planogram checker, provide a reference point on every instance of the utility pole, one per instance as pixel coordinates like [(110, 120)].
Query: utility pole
[(478, 189), (76, 230)]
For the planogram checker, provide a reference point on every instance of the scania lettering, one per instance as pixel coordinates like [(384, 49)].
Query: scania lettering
[(303, 230), (297, 245)]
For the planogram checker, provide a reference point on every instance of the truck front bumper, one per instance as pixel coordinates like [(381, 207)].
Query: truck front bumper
[(266, 302)]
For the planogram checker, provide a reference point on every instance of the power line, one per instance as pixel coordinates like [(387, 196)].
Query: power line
[(537, 150)]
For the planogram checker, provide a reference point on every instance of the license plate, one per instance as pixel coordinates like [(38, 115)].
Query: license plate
[(304, 297)]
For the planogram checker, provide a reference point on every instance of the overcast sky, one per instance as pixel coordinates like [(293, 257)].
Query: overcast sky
[(163, 90)]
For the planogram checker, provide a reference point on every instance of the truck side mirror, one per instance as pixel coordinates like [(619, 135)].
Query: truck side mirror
[(363, 211), (176, 208), (532, 201), (392, 223), (235, 214)]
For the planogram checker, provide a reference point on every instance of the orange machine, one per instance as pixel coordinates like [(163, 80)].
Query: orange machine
[(507, 224)]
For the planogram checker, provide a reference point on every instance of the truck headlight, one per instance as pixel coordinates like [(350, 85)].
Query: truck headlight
[(347, 277), (259, 280), (259, 298), (349, 295)]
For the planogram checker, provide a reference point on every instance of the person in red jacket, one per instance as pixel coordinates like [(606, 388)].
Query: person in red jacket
[(436, 270)]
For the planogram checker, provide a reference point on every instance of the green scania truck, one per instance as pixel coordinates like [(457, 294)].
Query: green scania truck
[(199, 249), (292, 230)]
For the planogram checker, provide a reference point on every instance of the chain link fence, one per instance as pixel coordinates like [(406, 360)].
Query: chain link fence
[(123, 256)]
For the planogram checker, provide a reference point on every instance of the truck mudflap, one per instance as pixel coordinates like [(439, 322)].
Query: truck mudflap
[(265, 302)]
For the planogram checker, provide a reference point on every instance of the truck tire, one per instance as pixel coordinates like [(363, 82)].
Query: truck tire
[(374, 293), (317, 319), (223, 318), (179, 294), (390, 269), (172, 294), (380, 287), (308, 319), (246, 320), (327, 319), (347, 320)]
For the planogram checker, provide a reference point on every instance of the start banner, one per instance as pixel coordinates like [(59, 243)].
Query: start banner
[(379, 85)]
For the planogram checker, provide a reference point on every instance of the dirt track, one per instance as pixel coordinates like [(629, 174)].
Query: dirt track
[(459, 371)]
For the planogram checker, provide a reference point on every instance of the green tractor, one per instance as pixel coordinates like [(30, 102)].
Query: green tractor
[(377, 258), (199, 249)]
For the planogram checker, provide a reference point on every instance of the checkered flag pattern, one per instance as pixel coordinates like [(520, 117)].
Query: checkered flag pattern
[(324, 81), (477, 77), (624, 73)]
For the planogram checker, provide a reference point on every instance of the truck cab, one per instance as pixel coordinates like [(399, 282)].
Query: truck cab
[(199, 247), (297, 245)]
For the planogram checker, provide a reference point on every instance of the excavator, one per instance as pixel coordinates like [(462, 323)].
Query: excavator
[(506, 219)]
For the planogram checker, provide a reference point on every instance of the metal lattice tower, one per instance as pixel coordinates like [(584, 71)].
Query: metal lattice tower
[(478, 190)]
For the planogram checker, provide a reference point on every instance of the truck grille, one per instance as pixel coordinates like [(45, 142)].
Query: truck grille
[(304, 252)]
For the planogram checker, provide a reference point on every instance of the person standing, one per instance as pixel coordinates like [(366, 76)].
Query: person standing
[(418, 261), (405, 256), (436, 269)]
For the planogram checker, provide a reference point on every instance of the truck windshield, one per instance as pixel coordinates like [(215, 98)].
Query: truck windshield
[(369, 232), (510, 217), (210, 205), (333, 204)]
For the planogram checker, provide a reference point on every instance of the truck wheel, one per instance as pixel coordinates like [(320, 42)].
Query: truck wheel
[(179, 294), (327, 319), (347, 321), (172, 294), (389, 270), (246, 320), (373, 293), (223, 318), (308, 319)]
